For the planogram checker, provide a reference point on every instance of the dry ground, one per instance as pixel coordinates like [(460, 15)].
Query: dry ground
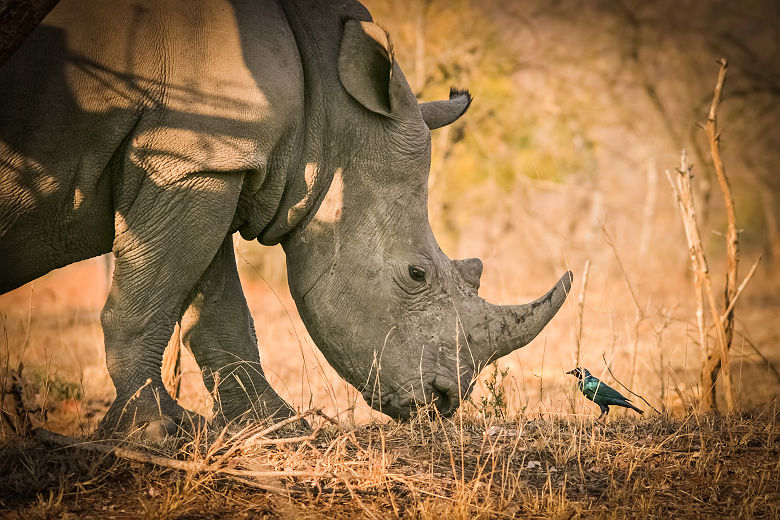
[(696, 467)]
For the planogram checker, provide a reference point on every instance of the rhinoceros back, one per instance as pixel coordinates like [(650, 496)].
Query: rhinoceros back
[(104, 97)]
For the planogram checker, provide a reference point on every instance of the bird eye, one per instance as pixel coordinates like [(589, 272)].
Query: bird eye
[(417, 273)]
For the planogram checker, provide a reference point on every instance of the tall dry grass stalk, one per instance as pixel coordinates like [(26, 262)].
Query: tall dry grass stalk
[(580, 312)]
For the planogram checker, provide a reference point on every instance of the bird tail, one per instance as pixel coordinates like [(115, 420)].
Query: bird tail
[(635, 408)]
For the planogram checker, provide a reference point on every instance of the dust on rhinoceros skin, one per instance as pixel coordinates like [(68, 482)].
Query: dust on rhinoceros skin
[(156, 130)]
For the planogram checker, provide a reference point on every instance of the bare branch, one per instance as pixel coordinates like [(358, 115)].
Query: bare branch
[(608, 238), (741, 287), (712, 363), (732, 239), (247, 477)]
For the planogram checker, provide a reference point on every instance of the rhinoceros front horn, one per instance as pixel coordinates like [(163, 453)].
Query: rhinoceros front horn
[(509, 327)]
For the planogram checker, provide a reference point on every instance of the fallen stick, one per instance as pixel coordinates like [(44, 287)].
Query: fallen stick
[(98, 447), (239, 475), (242, 476)]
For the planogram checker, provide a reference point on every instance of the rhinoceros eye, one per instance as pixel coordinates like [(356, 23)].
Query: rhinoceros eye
[(417, 273)]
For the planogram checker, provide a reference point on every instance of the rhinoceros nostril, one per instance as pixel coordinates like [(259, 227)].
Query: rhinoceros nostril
[(444, 394), (442, 402)]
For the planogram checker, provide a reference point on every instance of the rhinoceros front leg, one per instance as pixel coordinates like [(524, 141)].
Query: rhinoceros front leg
[(165, 238), (218, 328)]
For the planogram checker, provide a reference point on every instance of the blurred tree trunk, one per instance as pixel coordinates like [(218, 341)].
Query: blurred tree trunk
[(648, 214), (420, 79), (18, 18), (772, 228), (769, 205)]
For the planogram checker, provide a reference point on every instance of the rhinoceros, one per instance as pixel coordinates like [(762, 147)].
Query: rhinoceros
[(157, 129)]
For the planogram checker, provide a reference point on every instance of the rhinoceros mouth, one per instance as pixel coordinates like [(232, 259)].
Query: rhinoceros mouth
[(442, 393)]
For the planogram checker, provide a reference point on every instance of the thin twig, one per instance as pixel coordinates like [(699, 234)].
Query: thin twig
[(624, 386), (762, 356), (733, 302), (639, 314), (611, 244), (258, 438)]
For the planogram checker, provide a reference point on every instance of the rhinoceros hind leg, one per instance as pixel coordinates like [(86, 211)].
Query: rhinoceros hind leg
[(218, 329)]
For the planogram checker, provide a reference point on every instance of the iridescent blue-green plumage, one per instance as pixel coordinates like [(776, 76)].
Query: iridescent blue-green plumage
[(600, 393)]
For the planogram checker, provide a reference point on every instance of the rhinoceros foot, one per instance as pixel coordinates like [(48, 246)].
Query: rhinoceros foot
[(150, 414), (266, 408)]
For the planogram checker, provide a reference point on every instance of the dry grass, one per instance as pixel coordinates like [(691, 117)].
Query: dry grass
[(465, 467)]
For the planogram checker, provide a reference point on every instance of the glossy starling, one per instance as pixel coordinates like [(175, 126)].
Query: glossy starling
[(599, 392)]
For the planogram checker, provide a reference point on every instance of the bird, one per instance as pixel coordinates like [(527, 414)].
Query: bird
[(599, 392)]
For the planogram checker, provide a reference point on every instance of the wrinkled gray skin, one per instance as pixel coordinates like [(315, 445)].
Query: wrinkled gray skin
[(157, 129)]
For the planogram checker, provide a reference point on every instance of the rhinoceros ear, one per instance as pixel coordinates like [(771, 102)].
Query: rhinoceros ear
[(366, 65), (441, 113)]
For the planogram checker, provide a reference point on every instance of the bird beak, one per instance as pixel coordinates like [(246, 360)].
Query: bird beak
[(571, 371)]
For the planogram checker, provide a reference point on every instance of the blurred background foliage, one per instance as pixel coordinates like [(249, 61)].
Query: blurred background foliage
[(600, 96)]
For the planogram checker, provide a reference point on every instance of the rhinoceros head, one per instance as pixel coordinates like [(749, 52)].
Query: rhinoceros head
[(392, 314)]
